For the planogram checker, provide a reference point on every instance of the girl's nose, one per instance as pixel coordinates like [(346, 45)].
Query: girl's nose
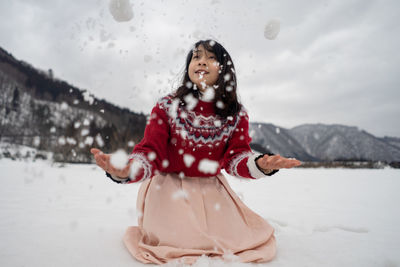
[(202, 61)]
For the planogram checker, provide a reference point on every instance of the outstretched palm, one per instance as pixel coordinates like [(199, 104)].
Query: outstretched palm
[(276, 162), (103, 161)]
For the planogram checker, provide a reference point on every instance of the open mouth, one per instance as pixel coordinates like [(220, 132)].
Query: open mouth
[(201, 72)]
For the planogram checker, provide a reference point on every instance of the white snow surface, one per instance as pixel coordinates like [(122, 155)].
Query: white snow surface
[(72, 215)]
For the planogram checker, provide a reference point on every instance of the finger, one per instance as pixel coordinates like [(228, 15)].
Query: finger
[(298, 162), (94, 151), (290, 163), (101, 163), (271, 161), (262, 163)]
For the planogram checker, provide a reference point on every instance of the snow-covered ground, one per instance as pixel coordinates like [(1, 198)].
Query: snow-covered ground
[(72, 215)]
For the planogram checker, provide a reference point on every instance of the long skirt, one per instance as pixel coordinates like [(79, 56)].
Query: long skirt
[(183, 219)]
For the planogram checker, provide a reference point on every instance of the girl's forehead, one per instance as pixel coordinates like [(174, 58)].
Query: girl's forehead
[(201, 49)]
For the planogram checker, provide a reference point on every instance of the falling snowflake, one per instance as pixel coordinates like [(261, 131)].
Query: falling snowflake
[(121, 10), (36, 141), (99, 140), (131, 144), (84, 132), (88, 98), (61, 140), (152, 156), (191, 101), (134, 169), (272, 29), (227, 77), (71, 141), (208, 166), (89, 140), (188, 160), (64, 106), (165, 163), (119, 159), (209, 94)]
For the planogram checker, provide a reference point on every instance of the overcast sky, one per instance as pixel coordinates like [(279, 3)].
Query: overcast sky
[(333, 62)]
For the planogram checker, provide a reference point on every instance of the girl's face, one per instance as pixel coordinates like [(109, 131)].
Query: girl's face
[(203, 68)]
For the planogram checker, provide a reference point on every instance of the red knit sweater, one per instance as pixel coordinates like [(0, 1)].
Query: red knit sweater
[(193, 141)]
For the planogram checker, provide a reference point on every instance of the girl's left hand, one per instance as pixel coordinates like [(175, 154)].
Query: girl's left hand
[(276, 162)]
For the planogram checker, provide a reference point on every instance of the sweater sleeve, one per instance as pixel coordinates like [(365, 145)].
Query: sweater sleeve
[(150, 154), (239, 160)]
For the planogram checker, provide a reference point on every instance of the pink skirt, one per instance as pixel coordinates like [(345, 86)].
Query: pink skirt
[(183, 219)]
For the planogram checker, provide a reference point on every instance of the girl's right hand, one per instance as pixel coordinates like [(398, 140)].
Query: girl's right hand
[(103, 161)]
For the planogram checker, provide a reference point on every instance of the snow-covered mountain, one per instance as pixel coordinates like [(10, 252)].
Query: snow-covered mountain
[(278, 140), (330, 142), (325, 142)]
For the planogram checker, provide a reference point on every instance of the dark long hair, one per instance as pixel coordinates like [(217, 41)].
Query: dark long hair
[(225, 86)]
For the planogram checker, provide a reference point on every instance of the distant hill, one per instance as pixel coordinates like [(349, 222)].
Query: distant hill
[(320, 142), (40, 111)]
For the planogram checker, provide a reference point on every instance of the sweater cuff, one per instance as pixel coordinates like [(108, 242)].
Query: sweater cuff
[(255, 172), (256, 157), (117, 179)]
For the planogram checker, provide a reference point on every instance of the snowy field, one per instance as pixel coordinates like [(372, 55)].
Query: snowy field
[(72, 215)]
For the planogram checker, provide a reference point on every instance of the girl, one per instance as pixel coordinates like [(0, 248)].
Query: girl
[(187, 206)]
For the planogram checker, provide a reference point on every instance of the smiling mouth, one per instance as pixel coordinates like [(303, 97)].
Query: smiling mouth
[(202, 72)]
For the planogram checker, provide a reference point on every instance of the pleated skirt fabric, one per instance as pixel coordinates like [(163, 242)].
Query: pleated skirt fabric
[(182, 219)]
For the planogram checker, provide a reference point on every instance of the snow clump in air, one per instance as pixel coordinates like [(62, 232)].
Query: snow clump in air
[(209, 94), (121, 10), (173, 110), (152, 156), (227, 77), (165, 163), (208, 166), (64, 106), (272, 29), (99, 140), (89, 140), (191, 101), (188, 160), (84, 132), (88, 98), (61, 140), (36, 141), (119, 159), (134, 169), (220, 104)]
